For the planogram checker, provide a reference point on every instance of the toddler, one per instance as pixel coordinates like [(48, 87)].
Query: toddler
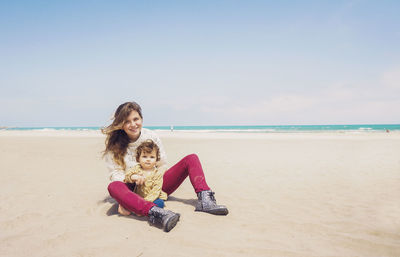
[(146, 176)]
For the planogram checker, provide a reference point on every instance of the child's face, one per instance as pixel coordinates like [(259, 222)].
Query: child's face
[(148, 160)]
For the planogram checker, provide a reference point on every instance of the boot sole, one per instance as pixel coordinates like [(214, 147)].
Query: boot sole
[(171, 222), (217, 211)]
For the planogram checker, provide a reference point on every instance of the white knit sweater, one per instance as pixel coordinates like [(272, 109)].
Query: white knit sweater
[(117, 173)]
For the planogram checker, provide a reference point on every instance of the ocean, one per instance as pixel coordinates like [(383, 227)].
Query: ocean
[(247, 129)]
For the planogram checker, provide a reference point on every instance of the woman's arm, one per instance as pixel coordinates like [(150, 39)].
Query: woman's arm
[(117, 173)]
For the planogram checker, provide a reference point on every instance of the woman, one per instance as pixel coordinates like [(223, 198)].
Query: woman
[(123, 136)]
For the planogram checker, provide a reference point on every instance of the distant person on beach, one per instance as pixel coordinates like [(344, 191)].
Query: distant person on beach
[(123, 136), (148, 179)]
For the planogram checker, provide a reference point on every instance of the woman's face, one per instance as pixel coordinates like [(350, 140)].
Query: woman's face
[(133, 125)]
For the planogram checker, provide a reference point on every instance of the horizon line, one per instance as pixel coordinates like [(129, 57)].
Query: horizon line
[(327, 124)]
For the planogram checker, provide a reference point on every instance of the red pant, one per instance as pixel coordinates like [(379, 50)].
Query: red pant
[(173, 178)]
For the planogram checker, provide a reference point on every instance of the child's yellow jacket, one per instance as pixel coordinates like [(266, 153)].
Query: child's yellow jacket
[(151, 189)]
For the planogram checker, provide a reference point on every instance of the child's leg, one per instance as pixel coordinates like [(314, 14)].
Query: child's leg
[(159, 202), (188, 166), (128, 199)]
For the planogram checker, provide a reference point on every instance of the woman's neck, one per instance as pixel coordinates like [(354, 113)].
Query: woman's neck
[(133, 140)]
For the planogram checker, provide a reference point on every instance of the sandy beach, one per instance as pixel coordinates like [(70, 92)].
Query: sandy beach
[(289, 194)]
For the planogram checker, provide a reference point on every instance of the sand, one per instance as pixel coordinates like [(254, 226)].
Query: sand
[(295, 194)]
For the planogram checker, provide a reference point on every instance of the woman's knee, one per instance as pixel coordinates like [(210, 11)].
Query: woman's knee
[(191, 157), (192, 160), (115, 186)]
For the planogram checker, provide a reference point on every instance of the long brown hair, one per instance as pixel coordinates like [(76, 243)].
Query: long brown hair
[(117, 140)]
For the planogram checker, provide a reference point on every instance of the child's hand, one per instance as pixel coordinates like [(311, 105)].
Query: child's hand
[(139, 180)]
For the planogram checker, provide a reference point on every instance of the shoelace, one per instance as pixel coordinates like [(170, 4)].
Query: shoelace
[(211, 195), (154, 215)]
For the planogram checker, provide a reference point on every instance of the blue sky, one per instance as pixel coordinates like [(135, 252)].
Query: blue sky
[(71, 63)]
